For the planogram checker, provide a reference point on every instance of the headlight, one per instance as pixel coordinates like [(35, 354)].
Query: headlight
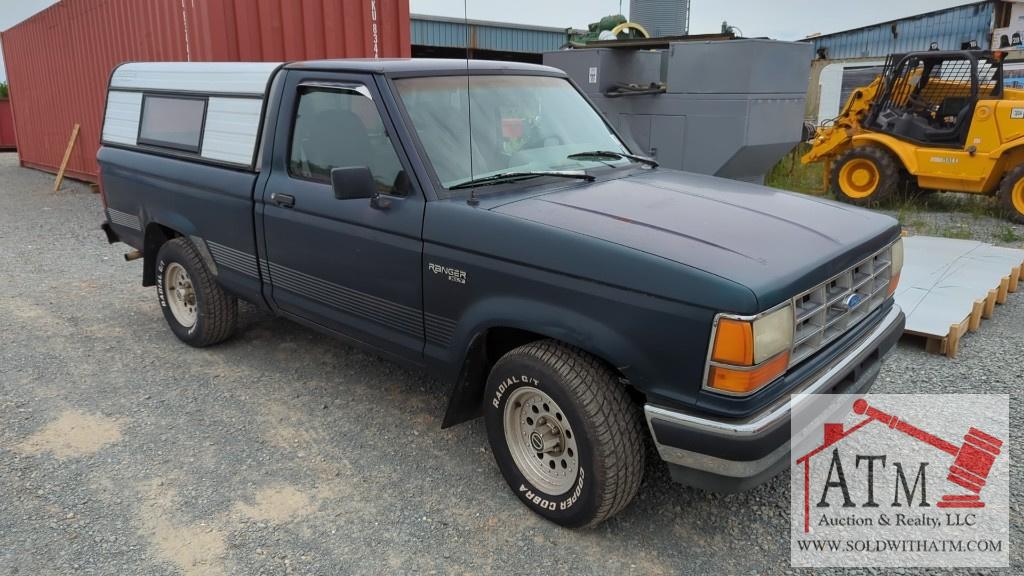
[(749, 352), (896, 258), (773, 333)]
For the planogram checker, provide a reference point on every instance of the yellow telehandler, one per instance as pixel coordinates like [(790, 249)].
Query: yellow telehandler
[(936, 120)]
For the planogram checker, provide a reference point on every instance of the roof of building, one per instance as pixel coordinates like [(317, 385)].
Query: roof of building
[(496, 24), (426, 65), (903, 19), (445, 32), (948, 28)]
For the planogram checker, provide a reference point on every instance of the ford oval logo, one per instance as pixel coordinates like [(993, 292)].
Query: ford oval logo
[(852, 300)]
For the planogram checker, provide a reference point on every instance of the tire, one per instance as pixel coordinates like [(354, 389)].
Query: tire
[(212, 311), (864, 175), (589, 428), (910, 188), (1011, 195)]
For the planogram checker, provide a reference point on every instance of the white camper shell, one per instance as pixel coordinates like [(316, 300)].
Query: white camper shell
[(202, 110)]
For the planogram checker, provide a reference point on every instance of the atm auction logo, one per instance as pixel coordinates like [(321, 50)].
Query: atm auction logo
[(900, 480)]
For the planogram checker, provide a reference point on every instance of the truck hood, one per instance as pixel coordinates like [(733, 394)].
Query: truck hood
[(776, 243)]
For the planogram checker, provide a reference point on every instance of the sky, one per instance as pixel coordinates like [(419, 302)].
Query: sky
[(14, 11), (781, 19)]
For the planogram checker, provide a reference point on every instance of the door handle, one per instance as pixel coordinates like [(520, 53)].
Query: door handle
[(282, 200), (380, 202)]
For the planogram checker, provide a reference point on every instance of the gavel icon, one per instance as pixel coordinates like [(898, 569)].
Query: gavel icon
[(972, 461)]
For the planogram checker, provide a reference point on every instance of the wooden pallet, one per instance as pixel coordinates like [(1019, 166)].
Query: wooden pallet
[(981, 310)]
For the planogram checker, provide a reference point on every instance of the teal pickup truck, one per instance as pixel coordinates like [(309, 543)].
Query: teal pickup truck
[(484, 222)]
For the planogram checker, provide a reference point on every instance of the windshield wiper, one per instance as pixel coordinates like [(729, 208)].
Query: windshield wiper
[(615, 155), (511, 176)]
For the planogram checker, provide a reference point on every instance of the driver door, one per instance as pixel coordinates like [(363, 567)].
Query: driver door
[(350, 265)]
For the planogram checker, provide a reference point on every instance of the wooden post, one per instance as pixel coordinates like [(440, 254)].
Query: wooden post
[(67, 157), (990, 304), (953, 341), (1004, 289), (976, 312)]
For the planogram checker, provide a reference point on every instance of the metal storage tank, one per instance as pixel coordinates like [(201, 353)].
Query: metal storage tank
[(661, 17), (59, 61), (730, 108)]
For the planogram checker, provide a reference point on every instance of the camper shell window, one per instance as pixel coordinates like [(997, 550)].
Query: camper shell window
[(174, 122)]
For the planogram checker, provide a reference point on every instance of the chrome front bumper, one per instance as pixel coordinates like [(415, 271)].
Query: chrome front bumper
[(729, 455)]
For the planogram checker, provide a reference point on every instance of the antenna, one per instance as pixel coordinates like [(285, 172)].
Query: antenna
[(473, 201)]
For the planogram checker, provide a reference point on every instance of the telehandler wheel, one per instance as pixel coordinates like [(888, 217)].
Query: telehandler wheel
[(197, 309), (864, 175), (565, 433), (1011, 194)]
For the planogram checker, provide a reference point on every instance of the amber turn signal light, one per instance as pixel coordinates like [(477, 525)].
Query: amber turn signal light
[(740, 381), (734, 343), (893, 283)]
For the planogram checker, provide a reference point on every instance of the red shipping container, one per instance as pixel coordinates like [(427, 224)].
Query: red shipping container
[(7, 139), (59, 61)]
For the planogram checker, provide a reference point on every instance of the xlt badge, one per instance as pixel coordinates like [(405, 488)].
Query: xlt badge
[(453, 274)]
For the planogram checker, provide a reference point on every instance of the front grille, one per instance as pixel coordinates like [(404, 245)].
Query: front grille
[(825, 312)]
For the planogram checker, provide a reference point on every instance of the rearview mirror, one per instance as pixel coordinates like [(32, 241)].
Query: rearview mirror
[(353, 182)]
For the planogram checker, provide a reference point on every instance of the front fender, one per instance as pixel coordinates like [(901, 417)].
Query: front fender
[(655, 349), (465, 396), (552, 321)]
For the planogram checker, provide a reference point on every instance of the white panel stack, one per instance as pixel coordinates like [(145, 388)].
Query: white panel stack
[(948, 286)]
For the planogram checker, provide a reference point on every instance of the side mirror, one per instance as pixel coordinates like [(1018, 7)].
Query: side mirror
[(353, 182)]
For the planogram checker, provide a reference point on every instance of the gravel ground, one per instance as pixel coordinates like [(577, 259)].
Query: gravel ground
[(122, 451)]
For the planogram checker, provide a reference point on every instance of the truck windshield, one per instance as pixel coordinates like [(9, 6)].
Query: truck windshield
[(519, 124)]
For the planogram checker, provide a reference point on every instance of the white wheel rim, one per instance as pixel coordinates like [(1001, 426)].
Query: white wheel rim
[(181, 294), (541, 441)]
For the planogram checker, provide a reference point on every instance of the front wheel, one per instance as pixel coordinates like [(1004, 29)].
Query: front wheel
[(1011, 194), (864, 175), (565, 433), (197, 309)]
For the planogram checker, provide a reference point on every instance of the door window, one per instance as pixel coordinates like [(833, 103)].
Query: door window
[(340, 127)]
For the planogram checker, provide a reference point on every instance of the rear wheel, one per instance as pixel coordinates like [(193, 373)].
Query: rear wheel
[(1011, 194), (565, 433), (864, 175), (197, 309)]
